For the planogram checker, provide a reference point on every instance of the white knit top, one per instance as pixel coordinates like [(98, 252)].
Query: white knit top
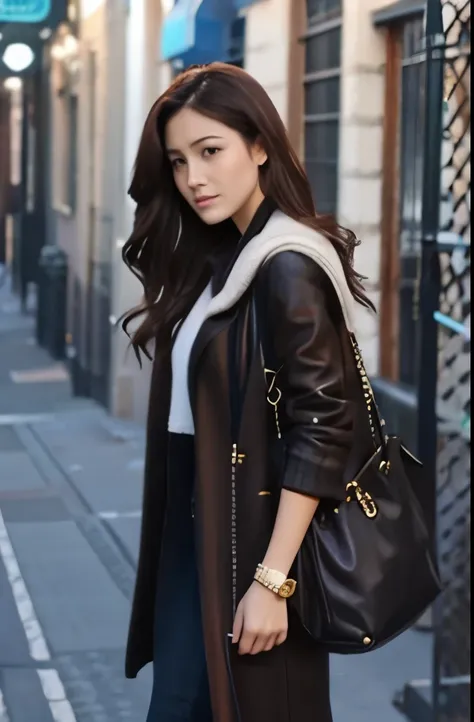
[(180, 420)]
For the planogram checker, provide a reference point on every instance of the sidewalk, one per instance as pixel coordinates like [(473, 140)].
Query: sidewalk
[(70, 487), (70, 494)]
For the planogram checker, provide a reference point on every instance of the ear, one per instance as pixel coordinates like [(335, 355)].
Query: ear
[(259, 154)]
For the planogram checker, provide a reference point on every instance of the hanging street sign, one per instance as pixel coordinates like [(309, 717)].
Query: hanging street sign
[(40, 13), (24, 11), (25, 27)]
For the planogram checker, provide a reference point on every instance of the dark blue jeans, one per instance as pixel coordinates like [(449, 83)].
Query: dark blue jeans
[(180, 683)]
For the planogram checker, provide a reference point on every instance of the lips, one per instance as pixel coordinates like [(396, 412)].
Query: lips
[(205, 200)]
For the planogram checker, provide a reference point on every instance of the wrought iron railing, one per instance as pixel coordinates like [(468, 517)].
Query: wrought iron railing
[(452, 670), (443, 352)]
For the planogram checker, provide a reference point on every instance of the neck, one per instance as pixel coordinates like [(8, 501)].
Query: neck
[(244, 216)]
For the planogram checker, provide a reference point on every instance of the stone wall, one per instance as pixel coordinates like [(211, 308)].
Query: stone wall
[(361, 143)]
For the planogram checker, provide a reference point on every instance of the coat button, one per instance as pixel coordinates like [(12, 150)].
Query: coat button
[(315, 420)]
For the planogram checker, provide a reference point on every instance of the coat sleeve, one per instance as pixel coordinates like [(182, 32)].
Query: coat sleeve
[(300, 310)]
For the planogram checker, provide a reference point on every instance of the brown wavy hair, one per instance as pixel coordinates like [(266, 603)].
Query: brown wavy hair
[(173, 273)]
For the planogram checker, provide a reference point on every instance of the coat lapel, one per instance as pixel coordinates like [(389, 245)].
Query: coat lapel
[(211, 327)]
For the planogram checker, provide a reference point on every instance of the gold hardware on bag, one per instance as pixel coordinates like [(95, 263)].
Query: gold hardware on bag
[(264, 493), (384, 467), (364, 499), (366, 386)]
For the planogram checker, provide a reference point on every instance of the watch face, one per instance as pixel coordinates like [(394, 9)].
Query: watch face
[(287, 589)]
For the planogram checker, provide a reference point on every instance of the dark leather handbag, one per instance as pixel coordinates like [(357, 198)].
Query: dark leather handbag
[(366, 570)]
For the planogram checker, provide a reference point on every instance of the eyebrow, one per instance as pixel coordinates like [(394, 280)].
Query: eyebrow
[(196, 142)]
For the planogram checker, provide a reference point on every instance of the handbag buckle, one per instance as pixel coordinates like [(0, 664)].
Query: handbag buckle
[(384, 467), (366, 503)]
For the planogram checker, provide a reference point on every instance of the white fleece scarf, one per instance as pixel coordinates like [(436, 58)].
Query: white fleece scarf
[(282, 233)]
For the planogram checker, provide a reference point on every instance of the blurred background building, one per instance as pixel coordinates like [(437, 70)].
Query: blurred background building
[(343, 79), (335, 70), (380, 117)]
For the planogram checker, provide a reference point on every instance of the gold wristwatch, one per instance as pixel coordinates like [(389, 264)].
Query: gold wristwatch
[(275, 581)]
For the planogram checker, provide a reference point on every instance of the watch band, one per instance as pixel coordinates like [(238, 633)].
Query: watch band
[(275, 581)]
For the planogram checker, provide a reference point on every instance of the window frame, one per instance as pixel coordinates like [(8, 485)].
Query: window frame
[(398, 258), (66, 119), (319, 25)]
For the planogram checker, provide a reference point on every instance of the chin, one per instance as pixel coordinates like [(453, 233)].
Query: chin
[(213, 216)]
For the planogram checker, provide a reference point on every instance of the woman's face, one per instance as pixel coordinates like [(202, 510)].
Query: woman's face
[(214, 169)]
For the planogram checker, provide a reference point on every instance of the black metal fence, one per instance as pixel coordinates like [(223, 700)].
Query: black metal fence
[(435, 298), (452, 668)]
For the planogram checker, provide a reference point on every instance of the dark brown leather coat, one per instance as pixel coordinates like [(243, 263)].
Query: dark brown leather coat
[(306, 339)]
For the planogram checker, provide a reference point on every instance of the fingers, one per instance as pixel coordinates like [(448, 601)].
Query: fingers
[(253, 643), (271, 641), (260, 643), (238, 624), (247, 641)]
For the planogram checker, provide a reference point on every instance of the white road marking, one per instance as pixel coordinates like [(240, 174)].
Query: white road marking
[(50, 374), (56, 695), (3, 710), (110, 515), (12, 419), (34, 634), (53, 688), (464, 679)]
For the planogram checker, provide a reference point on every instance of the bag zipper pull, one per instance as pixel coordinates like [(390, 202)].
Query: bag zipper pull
[(276, 401)]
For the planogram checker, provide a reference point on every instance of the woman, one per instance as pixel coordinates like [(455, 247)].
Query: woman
[(235, 262)]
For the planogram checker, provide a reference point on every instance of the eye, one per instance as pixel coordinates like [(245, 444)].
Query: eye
[(176, 163), (209, 152)]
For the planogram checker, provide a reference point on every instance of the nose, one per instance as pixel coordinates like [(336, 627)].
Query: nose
[(196, 177)]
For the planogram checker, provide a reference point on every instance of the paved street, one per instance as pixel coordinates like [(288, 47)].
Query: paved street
[(70, 487)]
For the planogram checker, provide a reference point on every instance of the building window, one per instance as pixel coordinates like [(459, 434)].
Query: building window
[(322, 100), (323, 9), (65, 120), (411, 190), (402, 197)]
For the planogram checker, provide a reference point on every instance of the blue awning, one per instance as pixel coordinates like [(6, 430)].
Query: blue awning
[(197, 31)]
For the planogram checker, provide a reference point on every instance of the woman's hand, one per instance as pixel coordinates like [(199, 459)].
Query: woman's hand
[(261, 621)]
